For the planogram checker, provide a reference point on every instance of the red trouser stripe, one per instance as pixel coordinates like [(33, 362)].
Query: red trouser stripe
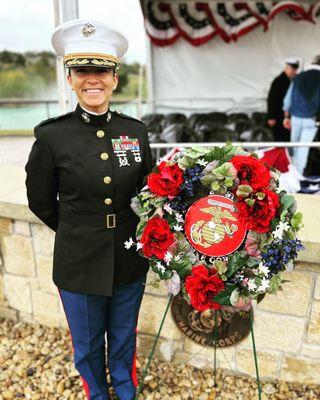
[(84, 382), (134, 366)]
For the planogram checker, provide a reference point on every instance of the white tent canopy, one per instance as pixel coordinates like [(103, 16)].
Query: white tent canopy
[(227, 76)]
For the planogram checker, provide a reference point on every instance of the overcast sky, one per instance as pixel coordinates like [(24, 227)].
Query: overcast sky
[(28, 24)]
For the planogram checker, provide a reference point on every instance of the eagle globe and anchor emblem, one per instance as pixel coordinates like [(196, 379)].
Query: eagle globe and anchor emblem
[(213, 229), (88, 30)]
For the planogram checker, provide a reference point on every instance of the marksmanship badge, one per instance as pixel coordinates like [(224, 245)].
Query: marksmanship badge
[(212, 226), (122, 145)]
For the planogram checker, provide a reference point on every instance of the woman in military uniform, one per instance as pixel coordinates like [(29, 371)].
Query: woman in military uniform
[(83, 170)]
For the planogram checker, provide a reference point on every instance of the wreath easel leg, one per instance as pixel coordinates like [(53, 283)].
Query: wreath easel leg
[(215, 344), (145, 371), (255, 354)]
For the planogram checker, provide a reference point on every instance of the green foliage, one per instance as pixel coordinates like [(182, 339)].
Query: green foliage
[(8, 58), (16, 83), (31, 73), (140, 228), (183, 267), (123, 78), (244, 190), (296, 221), (222, 155), (223, 297), (236, 261), (286, 201), (275, 283), (163, 274), (26, 75)]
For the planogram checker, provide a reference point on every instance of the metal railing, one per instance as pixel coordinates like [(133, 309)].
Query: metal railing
[(23, 114), (246, 145)]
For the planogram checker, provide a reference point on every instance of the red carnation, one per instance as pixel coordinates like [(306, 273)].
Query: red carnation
[(167, 181), (202, 286), (258, 217), (251, 171), (156, 238)]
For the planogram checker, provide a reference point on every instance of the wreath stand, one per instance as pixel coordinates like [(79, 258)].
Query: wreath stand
[(215, 341)]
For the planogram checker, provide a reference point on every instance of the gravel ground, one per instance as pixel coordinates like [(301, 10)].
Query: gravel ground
[(36, 363)]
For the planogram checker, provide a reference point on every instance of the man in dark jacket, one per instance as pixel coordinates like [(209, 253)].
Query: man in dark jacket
[(276, 95), (82, 172), (301, 107)]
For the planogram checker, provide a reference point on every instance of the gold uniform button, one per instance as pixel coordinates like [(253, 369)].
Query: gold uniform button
[(104, 156), (100, 134), (107, 180), (108, 201)]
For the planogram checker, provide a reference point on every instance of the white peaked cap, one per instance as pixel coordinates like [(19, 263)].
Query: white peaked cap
[(293, 61), (96, 42)]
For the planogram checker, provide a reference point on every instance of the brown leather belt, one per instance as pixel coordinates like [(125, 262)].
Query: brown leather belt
[(98, 221)]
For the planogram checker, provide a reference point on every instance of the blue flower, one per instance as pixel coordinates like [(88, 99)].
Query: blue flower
[(280, 253), (189, 188)]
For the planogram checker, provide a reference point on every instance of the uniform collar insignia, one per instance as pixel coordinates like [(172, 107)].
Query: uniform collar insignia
[(85, 117), (93, 119)]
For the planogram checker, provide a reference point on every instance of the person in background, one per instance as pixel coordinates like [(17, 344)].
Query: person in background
[(301, 106), (276, 95), (83, 170)]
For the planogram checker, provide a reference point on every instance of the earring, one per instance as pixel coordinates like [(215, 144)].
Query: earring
[(115, 87)]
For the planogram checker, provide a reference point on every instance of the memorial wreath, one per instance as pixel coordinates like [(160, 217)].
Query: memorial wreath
[(216, 228)]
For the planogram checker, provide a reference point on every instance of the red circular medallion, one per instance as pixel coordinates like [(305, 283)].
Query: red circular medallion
[(212, 226)]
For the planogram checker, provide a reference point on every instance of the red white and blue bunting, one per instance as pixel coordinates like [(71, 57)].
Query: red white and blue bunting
[(200, 21)]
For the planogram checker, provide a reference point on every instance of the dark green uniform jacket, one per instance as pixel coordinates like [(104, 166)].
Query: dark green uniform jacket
[(82, 172)]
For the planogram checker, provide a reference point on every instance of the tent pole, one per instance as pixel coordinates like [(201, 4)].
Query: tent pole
[(150, 75), (64, 10)]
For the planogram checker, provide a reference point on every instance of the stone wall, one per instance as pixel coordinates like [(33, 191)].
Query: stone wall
[(27, 292), (286, 326)]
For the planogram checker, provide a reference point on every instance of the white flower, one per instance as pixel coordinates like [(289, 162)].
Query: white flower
[(167, 257), (274, 175), (173, 284), (201, 161), (264, 285), (179, 217), (177, 228), (128, 243), (139, 246), (160, 267), (251, 285), (167, 208), (177, 258), (281, 227), (263, 269)]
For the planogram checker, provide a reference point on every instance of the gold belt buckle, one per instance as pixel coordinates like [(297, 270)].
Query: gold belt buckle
[(111, 220)]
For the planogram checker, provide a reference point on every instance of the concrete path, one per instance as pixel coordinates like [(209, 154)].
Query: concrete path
[(15, 150)]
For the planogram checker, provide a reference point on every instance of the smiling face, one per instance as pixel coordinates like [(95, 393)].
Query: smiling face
[(93, 86)]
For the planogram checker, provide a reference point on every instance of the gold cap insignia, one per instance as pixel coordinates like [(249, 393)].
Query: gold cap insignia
[(88, 30)]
